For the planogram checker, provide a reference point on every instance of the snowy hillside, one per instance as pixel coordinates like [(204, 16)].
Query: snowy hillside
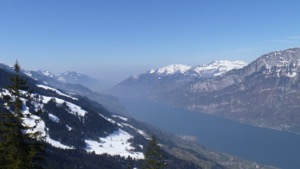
[(116, 143)]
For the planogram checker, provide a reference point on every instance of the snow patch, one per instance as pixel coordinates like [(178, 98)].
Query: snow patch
[(137, 130), (56, 91), (73, 109), (120, 117), (53, 118), (39, 124), (108, 119), (69, 128), (292, 75), (57, 144), (116, 143)]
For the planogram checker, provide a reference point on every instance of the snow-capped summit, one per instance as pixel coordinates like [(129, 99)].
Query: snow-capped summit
[(285, 63), (73, 77), (216, 68), (47, 73), (172, 76), (171, 69)]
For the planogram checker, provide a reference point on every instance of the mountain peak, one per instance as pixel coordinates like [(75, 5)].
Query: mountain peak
[(280, 63), (46, 73), (281, 57), (171, 69), (217, 68)]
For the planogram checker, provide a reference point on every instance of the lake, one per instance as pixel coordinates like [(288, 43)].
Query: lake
[(265, 146)]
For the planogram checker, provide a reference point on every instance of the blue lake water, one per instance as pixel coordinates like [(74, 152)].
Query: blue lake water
[(265, 146)]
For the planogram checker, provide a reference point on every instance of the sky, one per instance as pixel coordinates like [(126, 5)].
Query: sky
[(113, 39)]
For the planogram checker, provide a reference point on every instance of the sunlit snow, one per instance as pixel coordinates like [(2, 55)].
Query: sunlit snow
[(53, 118), (120, 117), (56, 91), (73, 109), (39, 126), (114, 144)]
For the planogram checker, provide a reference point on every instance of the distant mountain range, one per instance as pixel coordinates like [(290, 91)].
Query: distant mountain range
[(73, 77), (167, 79), (264, 93)]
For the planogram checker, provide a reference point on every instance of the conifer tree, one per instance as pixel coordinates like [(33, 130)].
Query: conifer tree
[(19, 148), (154, 158)]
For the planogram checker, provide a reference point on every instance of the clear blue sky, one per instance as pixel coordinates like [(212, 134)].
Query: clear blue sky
[(112, 39)]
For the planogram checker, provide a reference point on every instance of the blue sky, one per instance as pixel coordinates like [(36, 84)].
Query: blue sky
[(113, 39)]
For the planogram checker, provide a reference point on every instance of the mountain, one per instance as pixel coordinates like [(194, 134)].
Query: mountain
[(163, 80), (264, 93), (73, 77), (83, 134), (108, 101), (76, 128)]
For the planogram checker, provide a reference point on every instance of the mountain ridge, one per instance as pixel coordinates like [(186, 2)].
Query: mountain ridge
[(171, 77)]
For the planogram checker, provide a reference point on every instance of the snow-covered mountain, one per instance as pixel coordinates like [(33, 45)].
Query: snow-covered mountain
[(165, 79), (109, 102), (216, 68), (170, 70), (73, 77)]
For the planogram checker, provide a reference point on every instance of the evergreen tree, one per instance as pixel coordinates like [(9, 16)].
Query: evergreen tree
[(19, 148), (154, 158)]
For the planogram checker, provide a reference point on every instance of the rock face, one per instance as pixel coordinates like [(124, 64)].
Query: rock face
[(264, 93)]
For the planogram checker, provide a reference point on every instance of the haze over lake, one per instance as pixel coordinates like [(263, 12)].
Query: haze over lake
[(276, 148)]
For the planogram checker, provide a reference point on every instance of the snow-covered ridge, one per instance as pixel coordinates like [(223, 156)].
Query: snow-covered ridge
[(66, 77), (282, 63), (215, 68), (171, 69), (56, 91)]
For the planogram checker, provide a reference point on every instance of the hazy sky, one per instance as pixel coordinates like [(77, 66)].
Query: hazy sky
[(113, 39)]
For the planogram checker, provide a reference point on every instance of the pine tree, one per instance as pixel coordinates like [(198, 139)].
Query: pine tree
[(19, 148), (154, 158)]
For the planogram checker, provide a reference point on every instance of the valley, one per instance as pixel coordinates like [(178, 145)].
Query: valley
[(265, 146)]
